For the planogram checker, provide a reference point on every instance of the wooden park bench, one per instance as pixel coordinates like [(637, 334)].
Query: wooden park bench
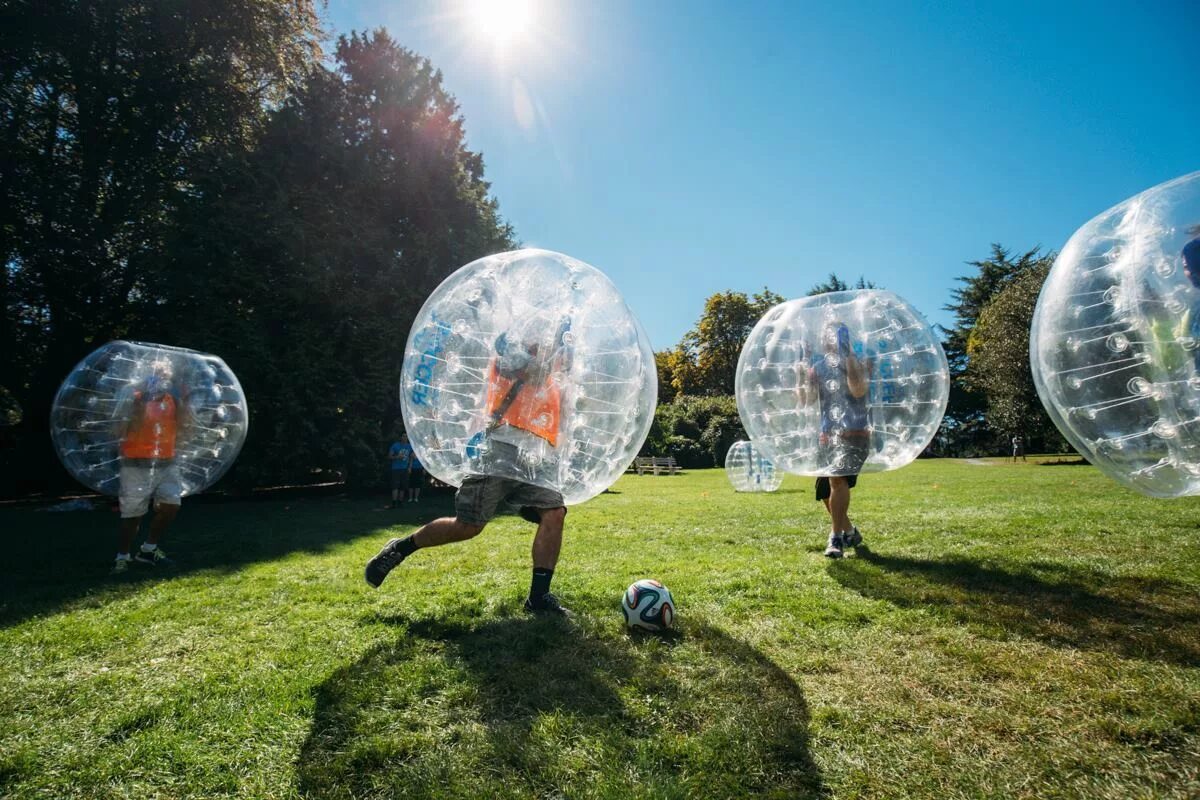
[(655, 464)]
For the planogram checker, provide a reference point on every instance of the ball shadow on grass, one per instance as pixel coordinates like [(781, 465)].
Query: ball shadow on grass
[(520, 707), (1142, 618)]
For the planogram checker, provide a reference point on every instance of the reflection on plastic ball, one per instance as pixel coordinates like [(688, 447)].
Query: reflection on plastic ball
[(132, 417), (748, 471), (528, 365), (854, 382), (1112, 345)]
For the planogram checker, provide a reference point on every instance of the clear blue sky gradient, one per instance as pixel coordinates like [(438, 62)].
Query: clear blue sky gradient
[(689, 148)]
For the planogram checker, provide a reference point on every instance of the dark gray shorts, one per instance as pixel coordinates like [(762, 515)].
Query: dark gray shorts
[(482, 497)]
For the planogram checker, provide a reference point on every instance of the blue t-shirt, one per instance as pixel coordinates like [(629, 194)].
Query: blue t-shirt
[(400, 455), (839, 408)]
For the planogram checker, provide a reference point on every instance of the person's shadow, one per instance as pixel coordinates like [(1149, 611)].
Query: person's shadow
[(1148, 619), (530, 707)]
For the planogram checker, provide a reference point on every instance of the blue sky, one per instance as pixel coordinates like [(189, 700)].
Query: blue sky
[(689, 148)]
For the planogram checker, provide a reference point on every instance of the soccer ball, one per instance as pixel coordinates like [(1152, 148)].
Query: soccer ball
[(648, 605)]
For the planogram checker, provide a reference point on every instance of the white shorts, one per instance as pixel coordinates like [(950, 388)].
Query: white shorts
[(141, 481)]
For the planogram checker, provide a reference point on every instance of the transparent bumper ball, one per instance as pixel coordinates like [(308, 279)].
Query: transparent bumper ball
[(842, 383), (1115, 342), (749, 471), (528, 365), (132, 417)]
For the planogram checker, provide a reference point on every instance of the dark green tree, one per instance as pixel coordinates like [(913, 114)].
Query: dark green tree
[(314, 252), (836, 284), (998, 363), (107, 112), (964, 429)]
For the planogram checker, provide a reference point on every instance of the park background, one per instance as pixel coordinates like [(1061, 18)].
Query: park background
[(260, 181), (249, 178)]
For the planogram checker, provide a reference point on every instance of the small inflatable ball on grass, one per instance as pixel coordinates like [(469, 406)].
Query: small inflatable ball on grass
[(842, 383), (528, 365), (147, 408), (1115, 341), (749, 471)]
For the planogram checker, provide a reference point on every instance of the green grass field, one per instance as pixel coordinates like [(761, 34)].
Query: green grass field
[(1013, 631)]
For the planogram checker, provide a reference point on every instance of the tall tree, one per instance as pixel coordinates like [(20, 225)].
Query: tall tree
[(964, 428), (998, 362), (107, 110), (318, 249)]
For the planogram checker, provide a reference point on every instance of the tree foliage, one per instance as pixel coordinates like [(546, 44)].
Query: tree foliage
[(705, 361), (107, 112), (697, 431), (191, 173), (965, 429), (324, 242), (998, 362), (836, 284)]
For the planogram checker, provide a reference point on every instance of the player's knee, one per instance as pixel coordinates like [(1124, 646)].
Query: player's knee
[(554, 516)]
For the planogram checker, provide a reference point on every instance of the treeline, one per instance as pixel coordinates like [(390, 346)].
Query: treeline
[(206, 175), (992, 395)]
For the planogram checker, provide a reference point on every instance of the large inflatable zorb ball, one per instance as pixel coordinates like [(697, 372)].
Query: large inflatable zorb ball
[(528, 365), (842, 383), (136, 413), (748, 471), (1115, 343)]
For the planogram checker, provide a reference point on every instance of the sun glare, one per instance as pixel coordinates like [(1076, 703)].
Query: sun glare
[(502, 20)]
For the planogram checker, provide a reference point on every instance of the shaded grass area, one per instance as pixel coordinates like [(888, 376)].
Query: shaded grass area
[(520, 707), (1011, 631)]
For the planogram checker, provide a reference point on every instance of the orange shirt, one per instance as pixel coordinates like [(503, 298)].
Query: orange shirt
[(535, 409), (152, 430)]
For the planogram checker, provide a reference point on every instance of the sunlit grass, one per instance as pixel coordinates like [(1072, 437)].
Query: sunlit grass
[(1012, 631)]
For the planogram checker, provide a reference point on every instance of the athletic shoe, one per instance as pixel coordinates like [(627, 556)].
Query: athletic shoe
[(547, 604), (384, 562), (834, 550), (120, 566), (155, 558), (853, 538)]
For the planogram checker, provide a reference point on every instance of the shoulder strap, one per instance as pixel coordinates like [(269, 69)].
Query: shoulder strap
[(507, 401)]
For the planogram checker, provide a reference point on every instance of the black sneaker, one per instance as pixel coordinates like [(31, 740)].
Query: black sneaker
[(547, 604), (155, 558), (384, 562), (834, 550), (852, 539)]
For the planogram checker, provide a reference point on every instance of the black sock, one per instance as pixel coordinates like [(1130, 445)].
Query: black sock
[(541, 582), (406, 546)]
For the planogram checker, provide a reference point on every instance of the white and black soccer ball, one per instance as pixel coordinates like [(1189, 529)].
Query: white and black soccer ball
[(648, 605)]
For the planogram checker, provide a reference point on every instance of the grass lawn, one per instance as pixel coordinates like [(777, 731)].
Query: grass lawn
[(1013, 631)]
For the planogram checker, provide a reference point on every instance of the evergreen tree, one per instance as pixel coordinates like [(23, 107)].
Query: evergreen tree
[(964, 430), (315, 251), (836, 284)]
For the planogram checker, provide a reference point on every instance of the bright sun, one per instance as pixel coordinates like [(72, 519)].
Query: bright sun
[(502, 20)]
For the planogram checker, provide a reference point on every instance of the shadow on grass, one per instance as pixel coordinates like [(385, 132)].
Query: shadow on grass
[(60, 561), (1152, 620), (521, 707)]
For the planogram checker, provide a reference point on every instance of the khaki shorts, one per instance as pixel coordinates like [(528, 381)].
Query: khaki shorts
[(143, 479), (482, 497)]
